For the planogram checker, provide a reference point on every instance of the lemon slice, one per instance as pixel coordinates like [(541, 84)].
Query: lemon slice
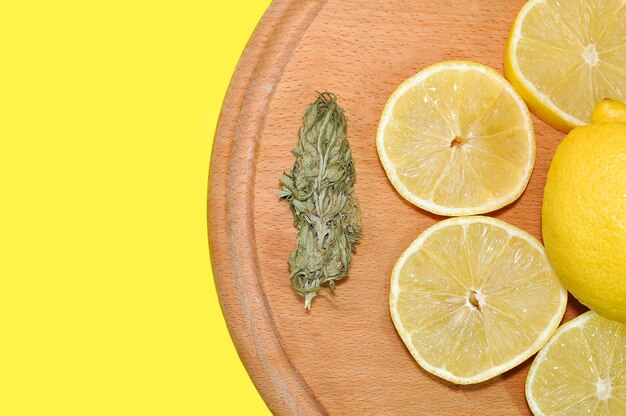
[(581, 370), (565, 56), (456, 139), (473, 297)]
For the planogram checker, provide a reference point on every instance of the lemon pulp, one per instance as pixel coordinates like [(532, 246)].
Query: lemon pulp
[(456, 139), (581, 370), (565, 56), (473, 297)]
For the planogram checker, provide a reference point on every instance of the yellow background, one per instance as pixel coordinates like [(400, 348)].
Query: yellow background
[(107, 115)]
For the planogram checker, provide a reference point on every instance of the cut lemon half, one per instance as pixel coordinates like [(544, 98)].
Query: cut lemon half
[(473, 297), (563, 57), (456, 139), (581, 370)]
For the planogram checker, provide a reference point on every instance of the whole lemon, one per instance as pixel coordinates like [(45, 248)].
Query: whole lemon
[(584, 211)]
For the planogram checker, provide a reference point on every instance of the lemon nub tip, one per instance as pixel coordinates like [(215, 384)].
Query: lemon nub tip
[(609, 110)]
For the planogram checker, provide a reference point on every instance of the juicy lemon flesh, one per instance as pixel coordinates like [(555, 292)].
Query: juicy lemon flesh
[(582, 370), (459, 142), (473, 299), (573, 53)]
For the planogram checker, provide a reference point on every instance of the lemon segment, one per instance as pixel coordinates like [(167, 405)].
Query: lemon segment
[(563, 57), (581, 370), (473, 297), (456, 139)]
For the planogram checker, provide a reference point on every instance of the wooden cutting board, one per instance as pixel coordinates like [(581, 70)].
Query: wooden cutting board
[(343, 357)]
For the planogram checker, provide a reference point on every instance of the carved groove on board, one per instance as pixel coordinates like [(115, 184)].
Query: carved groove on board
[(231, 183)]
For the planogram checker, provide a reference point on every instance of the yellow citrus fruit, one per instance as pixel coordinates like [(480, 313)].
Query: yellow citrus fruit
[(563, 57), (473, 297), (584, 212), (581, 370), (456, 139), (608, 111)]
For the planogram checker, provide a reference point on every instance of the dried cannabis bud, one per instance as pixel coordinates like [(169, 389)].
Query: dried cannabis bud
[(320, 192)]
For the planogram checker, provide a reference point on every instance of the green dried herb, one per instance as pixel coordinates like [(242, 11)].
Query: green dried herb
[(320, 192)]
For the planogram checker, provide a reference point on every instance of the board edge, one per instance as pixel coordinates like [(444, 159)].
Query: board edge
[(230, 207)]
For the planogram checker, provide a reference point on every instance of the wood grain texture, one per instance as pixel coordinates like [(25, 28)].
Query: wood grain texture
[(344, 357)]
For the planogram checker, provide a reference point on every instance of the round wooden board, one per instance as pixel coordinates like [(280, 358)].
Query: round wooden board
[(343, 357)]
